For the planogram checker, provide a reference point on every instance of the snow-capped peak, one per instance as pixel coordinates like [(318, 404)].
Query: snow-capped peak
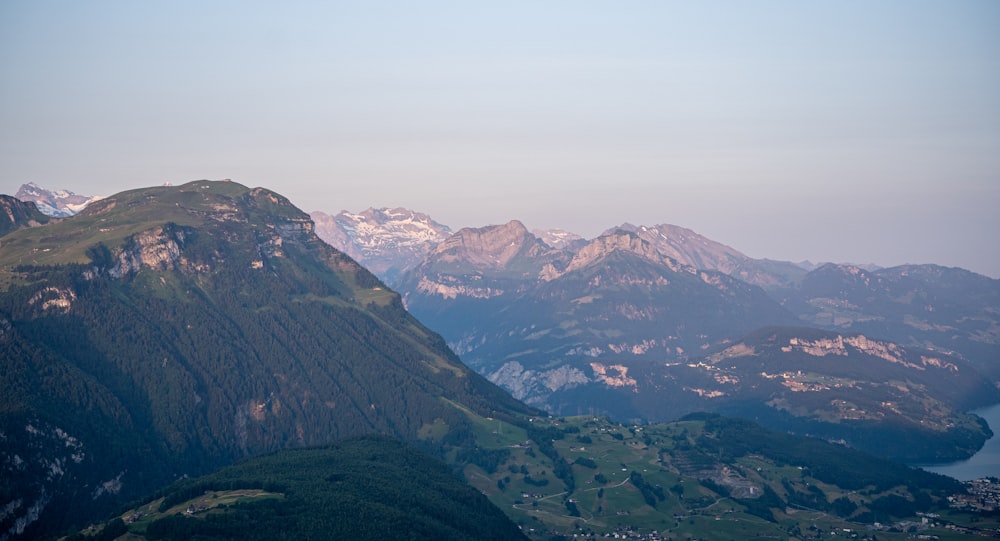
[(56, 203), (385, 240)]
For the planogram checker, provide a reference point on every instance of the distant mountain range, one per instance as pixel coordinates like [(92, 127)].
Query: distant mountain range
[(566, 324), (55, 203), (625, 325), (948, 311), (391, 241), (537, 318), (690, 248), (387, 241), (168, 332)]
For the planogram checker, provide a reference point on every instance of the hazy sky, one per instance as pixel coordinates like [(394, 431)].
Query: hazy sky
[(842, 130)]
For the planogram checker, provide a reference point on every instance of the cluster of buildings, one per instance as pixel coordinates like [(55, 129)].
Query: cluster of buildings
[(982, 495)]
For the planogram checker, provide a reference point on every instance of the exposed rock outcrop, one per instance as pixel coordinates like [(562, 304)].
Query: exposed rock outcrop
[(159, 248)]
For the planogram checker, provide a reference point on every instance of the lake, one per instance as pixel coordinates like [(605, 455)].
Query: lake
[(985, 463)]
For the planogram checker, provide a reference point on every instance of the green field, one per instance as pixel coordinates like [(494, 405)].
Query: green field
[(661, 479)]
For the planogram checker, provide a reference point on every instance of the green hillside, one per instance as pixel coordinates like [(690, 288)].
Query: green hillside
[(16, 214), (364, 488), (704, 477), (169, 331)]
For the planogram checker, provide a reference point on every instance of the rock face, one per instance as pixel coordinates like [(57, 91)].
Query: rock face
[(619, 241), (482, 263), (385, 241), (506, 249), (952, 311), (689, 248), (874, 394), (15, 214), (55, 203)]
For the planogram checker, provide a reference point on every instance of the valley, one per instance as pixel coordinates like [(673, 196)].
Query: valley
[(704, 477)]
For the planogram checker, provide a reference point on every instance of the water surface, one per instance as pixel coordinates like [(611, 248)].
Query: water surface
[(985, 463)]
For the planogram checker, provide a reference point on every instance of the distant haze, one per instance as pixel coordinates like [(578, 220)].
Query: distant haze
[(849, 131)]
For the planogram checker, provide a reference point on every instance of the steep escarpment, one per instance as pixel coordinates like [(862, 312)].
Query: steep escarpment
[(947, 310), (15, 214)]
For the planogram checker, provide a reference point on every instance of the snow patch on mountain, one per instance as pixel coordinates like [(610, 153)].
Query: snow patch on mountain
[(558, 238), (55, 203), (388, 241)]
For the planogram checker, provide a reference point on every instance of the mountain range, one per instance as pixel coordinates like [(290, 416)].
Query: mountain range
[(167, 332), (626, 324), (55, 203)]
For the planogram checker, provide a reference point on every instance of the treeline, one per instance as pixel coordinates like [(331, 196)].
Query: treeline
[(731, 438), (366, 488), (651, 494), (543, 437)]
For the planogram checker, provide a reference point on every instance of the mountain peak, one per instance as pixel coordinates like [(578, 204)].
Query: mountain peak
[(387, 241), (687, 247), (618, 240), (692, 249), (55, 203), (490, 247)]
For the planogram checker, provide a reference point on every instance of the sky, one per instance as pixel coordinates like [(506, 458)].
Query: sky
[(847, 131)]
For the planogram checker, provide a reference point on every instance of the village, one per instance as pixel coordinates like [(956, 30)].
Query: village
[(982, 495)]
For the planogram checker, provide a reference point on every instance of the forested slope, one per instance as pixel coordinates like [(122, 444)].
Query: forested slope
[(169, 331)]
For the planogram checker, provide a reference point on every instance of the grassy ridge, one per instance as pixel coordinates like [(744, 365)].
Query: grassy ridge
[(364, 488)]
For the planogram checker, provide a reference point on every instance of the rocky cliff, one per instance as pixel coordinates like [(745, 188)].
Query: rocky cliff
[(15, 214), (689, 248)]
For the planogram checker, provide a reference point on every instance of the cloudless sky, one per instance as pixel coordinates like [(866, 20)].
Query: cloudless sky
[(832, 130)]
